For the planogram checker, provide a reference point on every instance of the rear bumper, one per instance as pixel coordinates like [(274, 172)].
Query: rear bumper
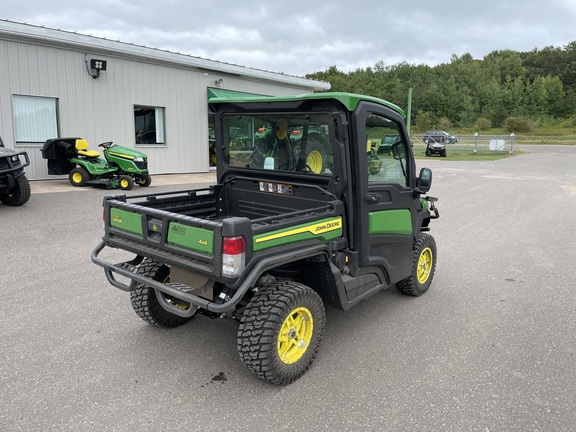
[(129, 270)]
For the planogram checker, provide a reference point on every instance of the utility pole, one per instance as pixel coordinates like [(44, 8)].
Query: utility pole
[(409, 111)]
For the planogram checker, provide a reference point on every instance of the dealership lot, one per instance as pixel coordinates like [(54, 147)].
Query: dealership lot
[(490, 347)]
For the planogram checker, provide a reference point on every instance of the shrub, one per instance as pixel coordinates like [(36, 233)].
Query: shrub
[(483, 124), (570, 122), (517, 124), (424, 121), (444, 123)]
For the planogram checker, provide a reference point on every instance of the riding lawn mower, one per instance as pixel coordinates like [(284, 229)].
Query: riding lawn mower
[(121, 167)]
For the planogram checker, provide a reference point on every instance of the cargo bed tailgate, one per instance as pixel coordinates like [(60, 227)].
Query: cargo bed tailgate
[(168, 237)]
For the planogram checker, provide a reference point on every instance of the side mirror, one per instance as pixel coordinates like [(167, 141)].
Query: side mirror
[(398, 151), (424, 180)]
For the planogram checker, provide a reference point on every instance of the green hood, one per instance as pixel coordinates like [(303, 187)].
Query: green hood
[(129, 153)]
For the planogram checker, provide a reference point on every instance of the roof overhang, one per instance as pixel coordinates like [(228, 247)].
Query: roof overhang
[(27, 33)]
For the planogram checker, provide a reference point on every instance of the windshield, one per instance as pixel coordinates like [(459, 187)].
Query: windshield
[(280, 142)]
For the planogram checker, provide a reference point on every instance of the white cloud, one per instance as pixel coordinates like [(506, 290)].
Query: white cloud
[(302, 36)]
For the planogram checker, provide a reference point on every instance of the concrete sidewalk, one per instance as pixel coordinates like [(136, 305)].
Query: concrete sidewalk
[(63, 185)]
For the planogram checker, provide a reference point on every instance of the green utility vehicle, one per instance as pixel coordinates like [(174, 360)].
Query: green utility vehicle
[(276, 239), (14, 185)]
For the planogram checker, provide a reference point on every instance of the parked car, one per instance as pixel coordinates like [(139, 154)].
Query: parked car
[(438, 136)]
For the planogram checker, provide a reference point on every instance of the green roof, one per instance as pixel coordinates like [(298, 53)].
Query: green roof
[(349, 100), (216, 93)]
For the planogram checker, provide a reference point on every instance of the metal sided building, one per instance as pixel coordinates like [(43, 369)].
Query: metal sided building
[(57, 83)]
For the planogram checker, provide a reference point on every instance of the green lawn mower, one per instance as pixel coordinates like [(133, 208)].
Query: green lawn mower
[(121, 167)]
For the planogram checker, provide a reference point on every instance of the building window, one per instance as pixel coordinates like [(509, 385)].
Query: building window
[(35, 118), (149, 124)]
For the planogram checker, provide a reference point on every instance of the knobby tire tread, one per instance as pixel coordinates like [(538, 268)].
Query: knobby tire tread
[(410, 286), (260, 326), (145, 303), (19, 195)]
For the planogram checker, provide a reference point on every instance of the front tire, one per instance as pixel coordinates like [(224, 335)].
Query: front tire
[(78, 177), (146, 304), (126, 182), (280, 331), (19, 194), (423, 267)]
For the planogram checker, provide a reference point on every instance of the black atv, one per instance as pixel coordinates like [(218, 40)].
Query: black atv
[(14, 186)]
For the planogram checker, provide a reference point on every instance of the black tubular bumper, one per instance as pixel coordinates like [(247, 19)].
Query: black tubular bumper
[(128, 270), (16, 168)]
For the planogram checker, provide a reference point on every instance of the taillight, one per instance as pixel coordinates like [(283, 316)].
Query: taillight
[(233, 255)]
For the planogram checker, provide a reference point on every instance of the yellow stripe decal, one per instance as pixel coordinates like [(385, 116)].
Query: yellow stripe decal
[(121, 155), (315, 229)]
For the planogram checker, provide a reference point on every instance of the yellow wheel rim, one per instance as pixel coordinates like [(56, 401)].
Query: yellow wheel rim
[(295, 335), (314, 161), (424, 265), (77, 177), (124, 183)]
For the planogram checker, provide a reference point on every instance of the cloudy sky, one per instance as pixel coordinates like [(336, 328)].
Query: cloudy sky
[(304, 36)]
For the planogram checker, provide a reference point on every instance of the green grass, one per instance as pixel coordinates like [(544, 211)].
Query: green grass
[(541, 135), (546, 140), (482, 155)]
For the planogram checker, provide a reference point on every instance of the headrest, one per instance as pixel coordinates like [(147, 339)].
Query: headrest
[(282, 129), (81, 144)]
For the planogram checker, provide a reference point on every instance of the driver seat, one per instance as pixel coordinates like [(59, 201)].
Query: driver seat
[(82, 149), (284, 146)]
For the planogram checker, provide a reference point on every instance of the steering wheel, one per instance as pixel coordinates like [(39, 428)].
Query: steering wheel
[(106, 145)]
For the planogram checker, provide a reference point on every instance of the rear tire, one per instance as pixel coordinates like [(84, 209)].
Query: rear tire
[(144, 181), (316, 158), (262, 149), (144, 300), (280, 331), (19, 194), (423, 267), (78, 177)]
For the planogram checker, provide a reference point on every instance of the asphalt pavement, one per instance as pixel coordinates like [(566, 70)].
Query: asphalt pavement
[(490, 347)]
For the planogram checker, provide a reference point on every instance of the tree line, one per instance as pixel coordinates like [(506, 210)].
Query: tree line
[(518, 91)]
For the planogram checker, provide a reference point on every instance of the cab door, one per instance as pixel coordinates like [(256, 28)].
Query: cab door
[(385, 198)]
